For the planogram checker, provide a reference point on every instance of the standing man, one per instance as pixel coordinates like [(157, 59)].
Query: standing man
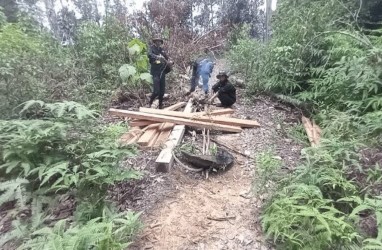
[(204, 71), (224, 90), (201, 67), (160, 66)]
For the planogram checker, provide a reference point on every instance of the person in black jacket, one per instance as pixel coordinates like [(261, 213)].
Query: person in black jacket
[(224, 90), (160, 66)]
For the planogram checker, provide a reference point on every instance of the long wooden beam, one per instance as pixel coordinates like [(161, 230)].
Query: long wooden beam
[(211, 119), (176, 120), (221, 112)]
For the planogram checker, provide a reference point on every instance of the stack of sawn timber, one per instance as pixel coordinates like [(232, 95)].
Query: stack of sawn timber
[(149, 134), (152, 127)]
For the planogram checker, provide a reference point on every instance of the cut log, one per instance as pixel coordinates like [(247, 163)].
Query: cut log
[(211, 119), (165, 160), (176, 120)]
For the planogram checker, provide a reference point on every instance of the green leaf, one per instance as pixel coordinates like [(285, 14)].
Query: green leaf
[(146, 77), (126, 71), (134, 50)]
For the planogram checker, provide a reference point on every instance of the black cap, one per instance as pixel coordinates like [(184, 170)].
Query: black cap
[(157, 39), (222, 73)]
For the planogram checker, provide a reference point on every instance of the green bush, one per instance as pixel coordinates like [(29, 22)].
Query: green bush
[(59, 150), (320, 58), (105, 233), (34, 66)]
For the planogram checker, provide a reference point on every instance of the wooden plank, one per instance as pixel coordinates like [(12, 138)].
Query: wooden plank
[(152, 131), (216, 112), (220, 112), (142, 123), (165, 160), (154, 139), (162, 138), (176, 106), (145, 139), (309, 129), (129, 135), (211, 119), (176, 120), (316, 133)]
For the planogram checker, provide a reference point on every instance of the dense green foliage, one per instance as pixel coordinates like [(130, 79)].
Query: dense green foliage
[(55, 148), (56, 151), (321, 55), (34, 66)]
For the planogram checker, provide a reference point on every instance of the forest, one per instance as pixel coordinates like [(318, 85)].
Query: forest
[(64, 63)]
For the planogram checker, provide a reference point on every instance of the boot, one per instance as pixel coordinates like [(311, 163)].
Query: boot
[(151, 102), (160, 104)]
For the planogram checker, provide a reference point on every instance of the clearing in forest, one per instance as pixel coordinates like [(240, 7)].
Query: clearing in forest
[(184, 210)]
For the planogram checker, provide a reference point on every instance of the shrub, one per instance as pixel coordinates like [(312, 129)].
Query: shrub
[(61, 151)]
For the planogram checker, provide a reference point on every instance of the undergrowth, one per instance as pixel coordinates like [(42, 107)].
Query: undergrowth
[(322, 61), (55, 150)]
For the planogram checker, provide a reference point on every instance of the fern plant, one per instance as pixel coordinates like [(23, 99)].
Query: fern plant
[(300, 218), (104, 233), (14, 190), (60, 152), (267, 175), (371, 205)]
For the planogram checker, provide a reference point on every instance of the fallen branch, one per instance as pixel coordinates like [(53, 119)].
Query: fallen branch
[(232, 149), (222, 218)]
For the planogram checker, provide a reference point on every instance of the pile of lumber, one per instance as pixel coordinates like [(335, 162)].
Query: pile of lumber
[(149, 134), (312, 130), (203, 120), (154, 128)]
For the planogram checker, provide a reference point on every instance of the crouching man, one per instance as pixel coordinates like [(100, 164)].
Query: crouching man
[(224, 91)]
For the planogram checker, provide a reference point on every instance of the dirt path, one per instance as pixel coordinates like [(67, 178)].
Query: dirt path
[(182, 210), (188, 220)]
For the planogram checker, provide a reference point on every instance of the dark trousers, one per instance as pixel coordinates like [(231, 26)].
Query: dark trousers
[(194, 79), (226, 100), (159, 86)]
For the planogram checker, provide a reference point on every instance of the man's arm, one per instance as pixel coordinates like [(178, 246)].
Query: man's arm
[(164, 54), (151, 54), (213, 97), (215, 88)]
